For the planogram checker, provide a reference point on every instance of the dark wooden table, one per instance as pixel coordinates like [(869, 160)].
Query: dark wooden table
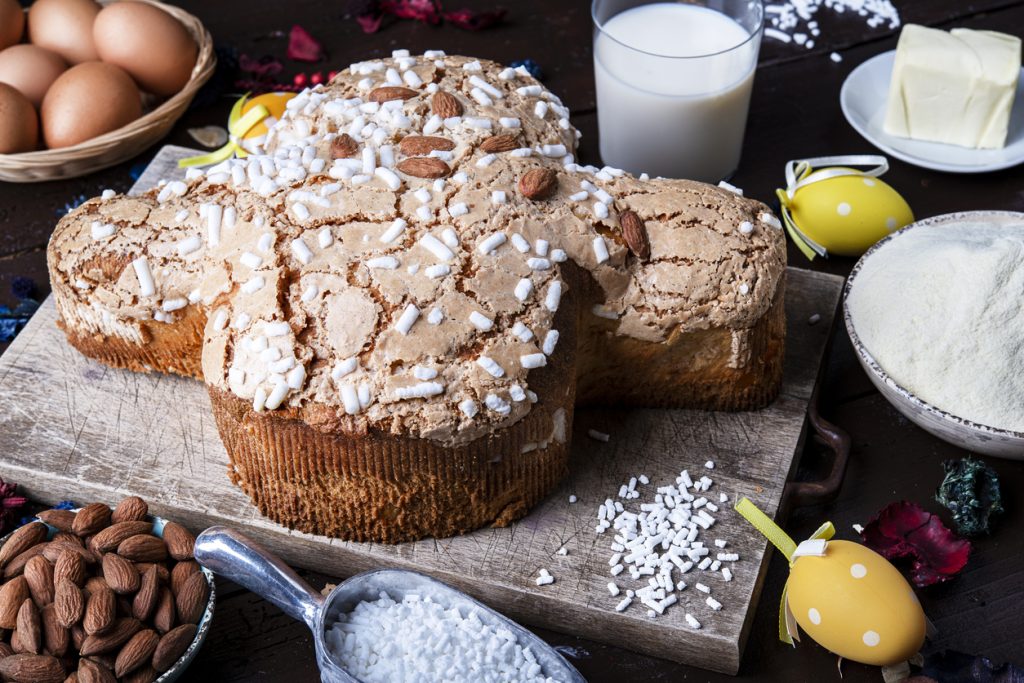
[(795, 113)]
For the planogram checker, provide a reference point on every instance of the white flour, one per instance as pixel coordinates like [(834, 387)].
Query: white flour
[(419, 641), (940, 310)]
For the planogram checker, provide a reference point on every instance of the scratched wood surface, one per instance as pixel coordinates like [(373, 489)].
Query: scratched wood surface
[(72, 428)]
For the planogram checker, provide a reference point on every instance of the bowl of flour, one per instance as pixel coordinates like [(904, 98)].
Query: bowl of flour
[(935, 316)]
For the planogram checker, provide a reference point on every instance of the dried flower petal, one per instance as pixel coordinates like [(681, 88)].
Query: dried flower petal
[(303, 47), (474, 21), (9, 504), (905, 530)]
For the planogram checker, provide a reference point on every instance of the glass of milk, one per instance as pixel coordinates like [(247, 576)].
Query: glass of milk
[(673, 84)]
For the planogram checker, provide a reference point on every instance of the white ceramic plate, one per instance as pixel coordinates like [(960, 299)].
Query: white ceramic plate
[(863, 98), (974, 437)]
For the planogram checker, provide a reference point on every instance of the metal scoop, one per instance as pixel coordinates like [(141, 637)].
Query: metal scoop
[(233, 556)]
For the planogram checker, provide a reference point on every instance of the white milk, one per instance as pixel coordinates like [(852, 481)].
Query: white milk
[(667, 104)]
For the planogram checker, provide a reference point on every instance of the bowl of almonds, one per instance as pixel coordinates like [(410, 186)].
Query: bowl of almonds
[(100, 595)]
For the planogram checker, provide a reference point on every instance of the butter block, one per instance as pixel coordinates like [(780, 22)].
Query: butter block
[(956, 87)]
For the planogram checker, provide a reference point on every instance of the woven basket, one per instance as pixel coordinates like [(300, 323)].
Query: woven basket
[(125, 142)]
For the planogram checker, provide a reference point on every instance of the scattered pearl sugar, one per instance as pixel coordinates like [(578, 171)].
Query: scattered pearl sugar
[(792, 21), (417, 639), (573, 499)]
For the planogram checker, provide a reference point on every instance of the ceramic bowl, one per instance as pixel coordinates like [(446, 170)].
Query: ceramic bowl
[(974, 437), (178, 668)]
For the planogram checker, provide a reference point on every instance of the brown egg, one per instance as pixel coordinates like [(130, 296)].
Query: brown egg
[(148, 43), (12, 22), (87, 100), (64, 27), (19, 125), (30, 69)]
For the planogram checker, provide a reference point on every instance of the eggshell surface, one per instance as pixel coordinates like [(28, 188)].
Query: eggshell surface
[(31, 70), (855, 603), (12, 22), (86, 101), (848, 214), (151, 45), (19, 125), (64, 27)]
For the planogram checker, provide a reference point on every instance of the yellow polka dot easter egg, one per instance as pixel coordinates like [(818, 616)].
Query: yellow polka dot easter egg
[(847, 214), (276, 103), (853, 602)]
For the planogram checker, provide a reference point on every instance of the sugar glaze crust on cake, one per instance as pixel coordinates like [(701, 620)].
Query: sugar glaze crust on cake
[(380, 272)]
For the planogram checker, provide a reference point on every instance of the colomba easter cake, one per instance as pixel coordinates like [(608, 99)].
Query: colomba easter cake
[(397, 306)]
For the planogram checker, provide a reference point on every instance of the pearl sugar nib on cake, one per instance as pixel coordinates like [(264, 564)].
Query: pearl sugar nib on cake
[(397, 304)]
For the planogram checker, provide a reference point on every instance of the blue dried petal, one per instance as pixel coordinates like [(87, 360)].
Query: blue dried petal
[(971, 492), (530, 66)]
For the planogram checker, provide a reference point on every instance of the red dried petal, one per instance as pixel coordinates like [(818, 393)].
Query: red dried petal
[(474, 21), (264, 67), (303, 47), (427, 11), (905, 530), (370, 23)]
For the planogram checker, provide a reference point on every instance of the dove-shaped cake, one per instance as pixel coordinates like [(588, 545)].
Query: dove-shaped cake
[(398, 301)]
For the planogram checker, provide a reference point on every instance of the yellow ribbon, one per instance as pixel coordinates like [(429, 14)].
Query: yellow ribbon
[(238, 126), (781, 540)]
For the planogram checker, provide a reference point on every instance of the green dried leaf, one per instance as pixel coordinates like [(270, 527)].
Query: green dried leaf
[(971, 492)]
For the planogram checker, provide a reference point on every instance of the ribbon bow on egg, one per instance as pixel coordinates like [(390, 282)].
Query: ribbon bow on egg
[(838, 209), (846, 597), (239, 126)]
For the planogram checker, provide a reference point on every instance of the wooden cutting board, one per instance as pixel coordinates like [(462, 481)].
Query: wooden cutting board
[(71, 428)]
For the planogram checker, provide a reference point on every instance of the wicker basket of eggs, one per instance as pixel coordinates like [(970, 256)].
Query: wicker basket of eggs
[(85, 85)]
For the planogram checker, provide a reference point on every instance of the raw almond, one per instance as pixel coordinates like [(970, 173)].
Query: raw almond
[(61, 520), (69, 603), (191, 601), (115, 534), (16, 643), (162, 572), (424, 167), (149, 592), (39, 575), (71, 567), (390, 92), (344, 146), (422, 145), (163, 617), (91, 519), (172, 646), (500, 143), (94, 583), (21, 540), (68, 537), (120, 574), (53, 549), (445, 105), (180, 573), (55, 635), (130, 509), (17, 565), (143, 548), (78, 636), (136, 652), (91, 672), (12, 594), (30, 628), (180, 541), (5, 650), (538, 183), (100, 610), (31, 669), (635, 234), (119, 634)]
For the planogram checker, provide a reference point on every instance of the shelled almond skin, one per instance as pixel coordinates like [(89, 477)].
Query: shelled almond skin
[(104, 599)]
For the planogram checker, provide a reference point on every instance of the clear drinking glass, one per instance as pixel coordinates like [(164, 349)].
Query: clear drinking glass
[(673, 84)]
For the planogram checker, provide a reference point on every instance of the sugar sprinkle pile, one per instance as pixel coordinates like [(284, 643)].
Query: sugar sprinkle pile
[(419, 640), (794, 21)]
